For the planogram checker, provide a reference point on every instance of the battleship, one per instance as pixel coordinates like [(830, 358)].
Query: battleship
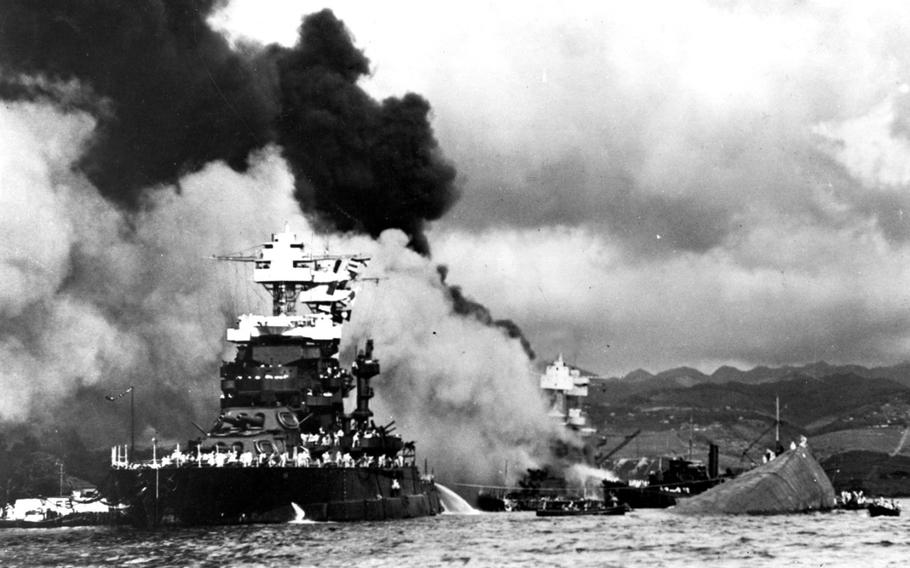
[(283, 447), (564, 388)]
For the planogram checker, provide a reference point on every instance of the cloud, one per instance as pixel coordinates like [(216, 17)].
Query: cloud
[(838, 295), (638, 121)]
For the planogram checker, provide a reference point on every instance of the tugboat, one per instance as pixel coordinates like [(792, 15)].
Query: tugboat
[(283, 447)]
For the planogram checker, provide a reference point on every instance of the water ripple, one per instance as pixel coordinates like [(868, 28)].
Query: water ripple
[(642, 538)]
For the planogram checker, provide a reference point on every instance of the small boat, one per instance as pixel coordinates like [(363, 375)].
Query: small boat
[(578, 507), (851, 501), (884, 510), (48, 523), (81, 508)]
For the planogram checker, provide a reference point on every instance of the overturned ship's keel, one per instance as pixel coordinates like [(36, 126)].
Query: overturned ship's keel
[(206, 496)]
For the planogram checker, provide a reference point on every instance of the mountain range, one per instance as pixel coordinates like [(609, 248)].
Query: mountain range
[(845, 410), (687, 376)]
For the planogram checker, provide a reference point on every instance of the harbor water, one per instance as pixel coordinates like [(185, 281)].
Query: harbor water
[(641, 538)]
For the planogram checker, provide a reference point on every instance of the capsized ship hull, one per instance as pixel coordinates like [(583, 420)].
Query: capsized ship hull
[(793, 482), (235, 495)]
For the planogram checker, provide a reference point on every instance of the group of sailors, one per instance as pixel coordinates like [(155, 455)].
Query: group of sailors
[(332, 439), (857, 500), (881, 502), (300, 456), (852, 499), (770, 454)]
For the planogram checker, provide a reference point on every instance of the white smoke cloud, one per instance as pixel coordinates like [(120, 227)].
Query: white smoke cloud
[(464, 390), (93, 297), (99, 299), (50, 340), (38, 146)]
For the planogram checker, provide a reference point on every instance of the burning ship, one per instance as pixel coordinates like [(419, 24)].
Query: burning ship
[(283, 446), (565, 389)]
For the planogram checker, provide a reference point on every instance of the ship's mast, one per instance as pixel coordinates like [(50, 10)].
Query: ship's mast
[(290, 274), (290, 358), (776, 423)]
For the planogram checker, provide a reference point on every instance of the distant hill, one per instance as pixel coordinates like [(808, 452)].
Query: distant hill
[(813, 403), (805, 400), (842, 409), (638, 375), (641, 381), (683, 376)]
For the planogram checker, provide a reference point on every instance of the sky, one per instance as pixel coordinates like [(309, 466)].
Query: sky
[(657, 184)]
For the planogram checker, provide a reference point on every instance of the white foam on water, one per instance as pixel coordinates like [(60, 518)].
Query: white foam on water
[(299, 516)]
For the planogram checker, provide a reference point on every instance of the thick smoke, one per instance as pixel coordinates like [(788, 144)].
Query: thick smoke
[(170, 95), (364, 165), (465, 306), (94, 300), (137, 143), (454, 383)]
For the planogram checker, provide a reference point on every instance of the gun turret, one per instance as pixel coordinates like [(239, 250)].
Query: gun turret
[(243, 421)]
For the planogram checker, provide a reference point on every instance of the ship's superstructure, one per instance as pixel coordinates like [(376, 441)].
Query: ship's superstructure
[(283, 441), (284, 391), (566, 389)]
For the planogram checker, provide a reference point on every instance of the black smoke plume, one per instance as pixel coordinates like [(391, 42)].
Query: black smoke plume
[(363, 165), (171, 95), (462, 305)]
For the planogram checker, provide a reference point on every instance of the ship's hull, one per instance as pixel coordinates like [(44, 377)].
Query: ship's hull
[(191, 495), (793, 482), (883, 511), (650, 497)]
